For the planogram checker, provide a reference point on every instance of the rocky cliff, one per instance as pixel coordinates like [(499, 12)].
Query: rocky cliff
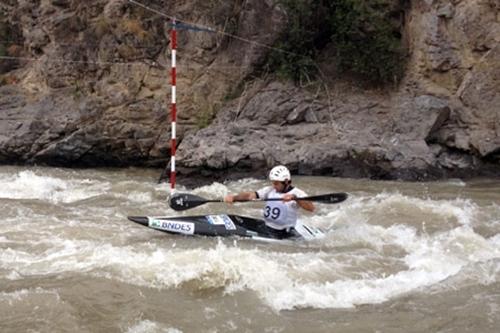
[(86, 83)]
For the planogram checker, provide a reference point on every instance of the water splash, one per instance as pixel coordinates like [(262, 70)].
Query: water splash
[(30, 185)]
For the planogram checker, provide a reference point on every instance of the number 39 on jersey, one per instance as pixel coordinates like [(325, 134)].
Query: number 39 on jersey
[(272, 213)]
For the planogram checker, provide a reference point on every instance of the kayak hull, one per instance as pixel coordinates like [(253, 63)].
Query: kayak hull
[(225, 226)]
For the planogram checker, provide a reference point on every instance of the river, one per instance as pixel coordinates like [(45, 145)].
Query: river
[(397, 257)]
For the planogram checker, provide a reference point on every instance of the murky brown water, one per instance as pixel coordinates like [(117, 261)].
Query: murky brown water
[(398, 257)]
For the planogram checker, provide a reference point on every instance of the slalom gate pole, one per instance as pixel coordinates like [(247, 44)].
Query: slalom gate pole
[(173, 109)]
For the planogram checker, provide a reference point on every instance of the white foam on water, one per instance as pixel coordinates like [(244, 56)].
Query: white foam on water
[(430, 261), (455, 182), (214, 190), (148, 326), (244, 184), (481, 257), (396, 208), (370, 236), (136, 197), (134, 192), (13, 275), (490, 216), (282, 280), (29, 185), (21, 294)]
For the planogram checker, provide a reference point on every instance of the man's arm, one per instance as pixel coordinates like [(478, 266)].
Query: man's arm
[(243, 196), (307, 205), (304, 204)]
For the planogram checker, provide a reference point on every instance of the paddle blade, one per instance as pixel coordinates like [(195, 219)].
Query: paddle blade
[(328, 198), (183, 201)]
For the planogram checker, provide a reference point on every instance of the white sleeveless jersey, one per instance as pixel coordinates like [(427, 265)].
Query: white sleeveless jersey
[(278, 214)]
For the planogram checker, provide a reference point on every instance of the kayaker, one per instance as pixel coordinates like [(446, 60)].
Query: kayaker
[(279, 216)]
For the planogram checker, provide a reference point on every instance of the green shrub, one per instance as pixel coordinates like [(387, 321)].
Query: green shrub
[(366, 42), (6, 65), (205, 116), (295, 51), (3, 38), (363, 33)]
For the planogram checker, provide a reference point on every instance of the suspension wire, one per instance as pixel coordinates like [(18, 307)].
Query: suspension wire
[(200, 26), (180, 24), (67, 61), (149, 62), (86, 43)]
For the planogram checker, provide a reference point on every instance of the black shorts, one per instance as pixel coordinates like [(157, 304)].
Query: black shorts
[(282, 234)]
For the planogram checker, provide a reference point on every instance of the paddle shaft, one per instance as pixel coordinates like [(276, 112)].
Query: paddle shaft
[(243, 200), (187, 201), (311, 198)]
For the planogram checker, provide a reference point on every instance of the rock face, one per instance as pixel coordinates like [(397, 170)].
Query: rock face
[(457, 57), (86, 83)]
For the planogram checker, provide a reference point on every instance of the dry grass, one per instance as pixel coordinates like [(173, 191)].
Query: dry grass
[(14, 50), (134, 27), (103, 26), (8, 79)]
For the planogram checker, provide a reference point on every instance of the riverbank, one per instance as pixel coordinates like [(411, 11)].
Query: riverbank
[(97, 94)]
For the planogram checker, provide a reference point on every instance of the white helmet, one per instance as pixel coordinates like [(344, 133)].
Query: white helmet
[(279, 173)]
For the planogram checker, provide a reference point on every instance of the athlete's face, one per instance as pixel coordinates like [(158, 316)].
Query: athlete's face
[(278, 186)]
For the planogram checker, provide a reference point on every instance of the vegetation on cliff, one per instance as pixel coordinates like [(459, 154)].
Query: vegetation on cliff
[(364, 34), (8, 48)]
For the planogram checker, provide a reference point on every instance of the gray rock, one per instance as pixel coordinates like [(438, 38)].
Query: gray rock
[(98, 94), (447, 10), (422, 117)]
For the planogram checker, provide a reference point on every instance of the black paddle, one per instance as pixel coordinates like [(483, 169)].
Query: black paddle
[(186, 201)]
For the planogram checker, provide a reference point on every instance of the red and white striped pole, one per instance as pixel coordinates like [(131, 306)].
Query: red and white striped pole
[(173, 110)]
